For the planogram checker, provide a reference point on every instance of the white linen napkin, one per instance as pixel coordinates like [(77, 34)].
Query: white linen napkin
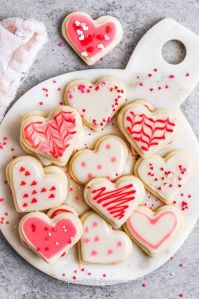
[(20, 41)]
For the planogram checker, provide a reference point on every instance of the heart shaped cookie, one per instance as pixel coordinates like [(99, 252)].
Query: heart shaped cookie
[(47, 237), (100, 244), (108, 159), (91, 39), (97, 103), (35, 188), (153, 231), (165, 177), (54, 136), (115, 201), (146, 129)]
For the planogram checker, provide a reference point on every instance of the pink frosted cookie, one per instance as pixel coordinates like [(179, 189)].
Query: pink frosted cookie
[(91, 39), (165, 177), (108, 159), (35, 188), (100, 244), (52, 136), (97, 103), (147, 130), (153, 231), (50, 237), (114, 201)]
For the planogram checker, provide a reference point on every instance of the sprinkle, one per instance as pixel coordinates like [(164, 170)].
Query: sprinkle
[(56, 243), (100, 46), (84, 54), (79, 32), (171, 76), (77, 23), (106, 37), (81, 37)]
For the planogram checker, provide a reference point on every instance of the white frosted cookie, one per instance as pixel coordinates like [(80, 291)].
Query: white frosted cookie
[(53, 136), (50, 237), (153, 231), (97, 103), (91, 39), (108, 159), (114, 201), (147, 130), (35, 188), (165, 177), (100, 244)]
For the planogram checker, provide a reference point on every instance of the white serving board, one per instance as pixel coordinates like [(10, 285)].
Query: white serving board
[(147, 67)]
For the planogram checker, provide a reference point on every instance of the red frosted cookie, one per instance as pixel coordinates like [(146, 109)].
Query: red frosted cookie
[(91, 39), (50, 237)]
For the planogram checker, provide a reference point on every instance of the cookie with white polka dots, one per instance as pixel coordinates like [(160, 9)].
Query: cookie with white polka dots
[(165, 177), (50, 237), (107, 159), (91, 39), (115, 201), (97, 103), (100, 244)]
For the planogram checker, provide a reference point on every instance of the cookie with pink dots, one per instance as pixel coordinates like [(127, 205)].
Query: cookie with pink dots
[(35, 188), (165, 177), (97, 103), (153, 231), (50, 237), (91, 39), (107, 159), (100, 244), (53, 136), (114, 201), (147, 130)]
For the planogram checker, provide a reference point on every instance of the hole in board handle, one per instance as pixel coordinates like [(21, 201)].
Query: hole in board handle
[(173, 52)]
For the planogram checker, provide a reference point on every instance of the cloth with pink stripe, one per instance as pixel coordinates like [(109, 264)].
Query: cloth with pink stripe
[(20, 41)]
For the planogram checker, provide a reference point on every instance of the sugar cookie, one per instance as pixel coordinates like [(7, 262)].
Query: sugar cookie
[(91, 39), (115, 201), (148, 130), (50, 237), (165, 177), (108, 160), (97, 103), (35, 188), (153, 231), (100, 244), (54, 136)]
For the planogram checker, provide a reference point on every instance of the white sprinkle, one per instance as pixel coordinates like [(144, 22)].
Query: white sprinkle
[(100, 46), (81, 37), (106, 37), (84, 54), (63, 226), (50, 234), (84, 27), (172, 274), (77, 23), (79, 32), (57, 243), (65, 230)]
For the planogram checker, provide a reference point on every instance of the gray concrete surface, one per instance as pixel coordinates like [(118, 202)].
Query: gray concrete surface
[(17, 278)]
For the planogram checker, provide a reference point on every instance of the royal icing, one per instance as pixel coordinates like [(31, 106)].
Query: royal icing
[(154, 230), (55, 137), (101, 244), (97, 103), (115, 201), (147, 131), (50, 238), (108, 160), (35, 188), (165, 177), (91, 39)]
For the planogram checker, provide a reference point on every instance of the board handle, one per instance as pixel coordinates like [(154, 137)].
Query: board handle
[(148, 55)]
